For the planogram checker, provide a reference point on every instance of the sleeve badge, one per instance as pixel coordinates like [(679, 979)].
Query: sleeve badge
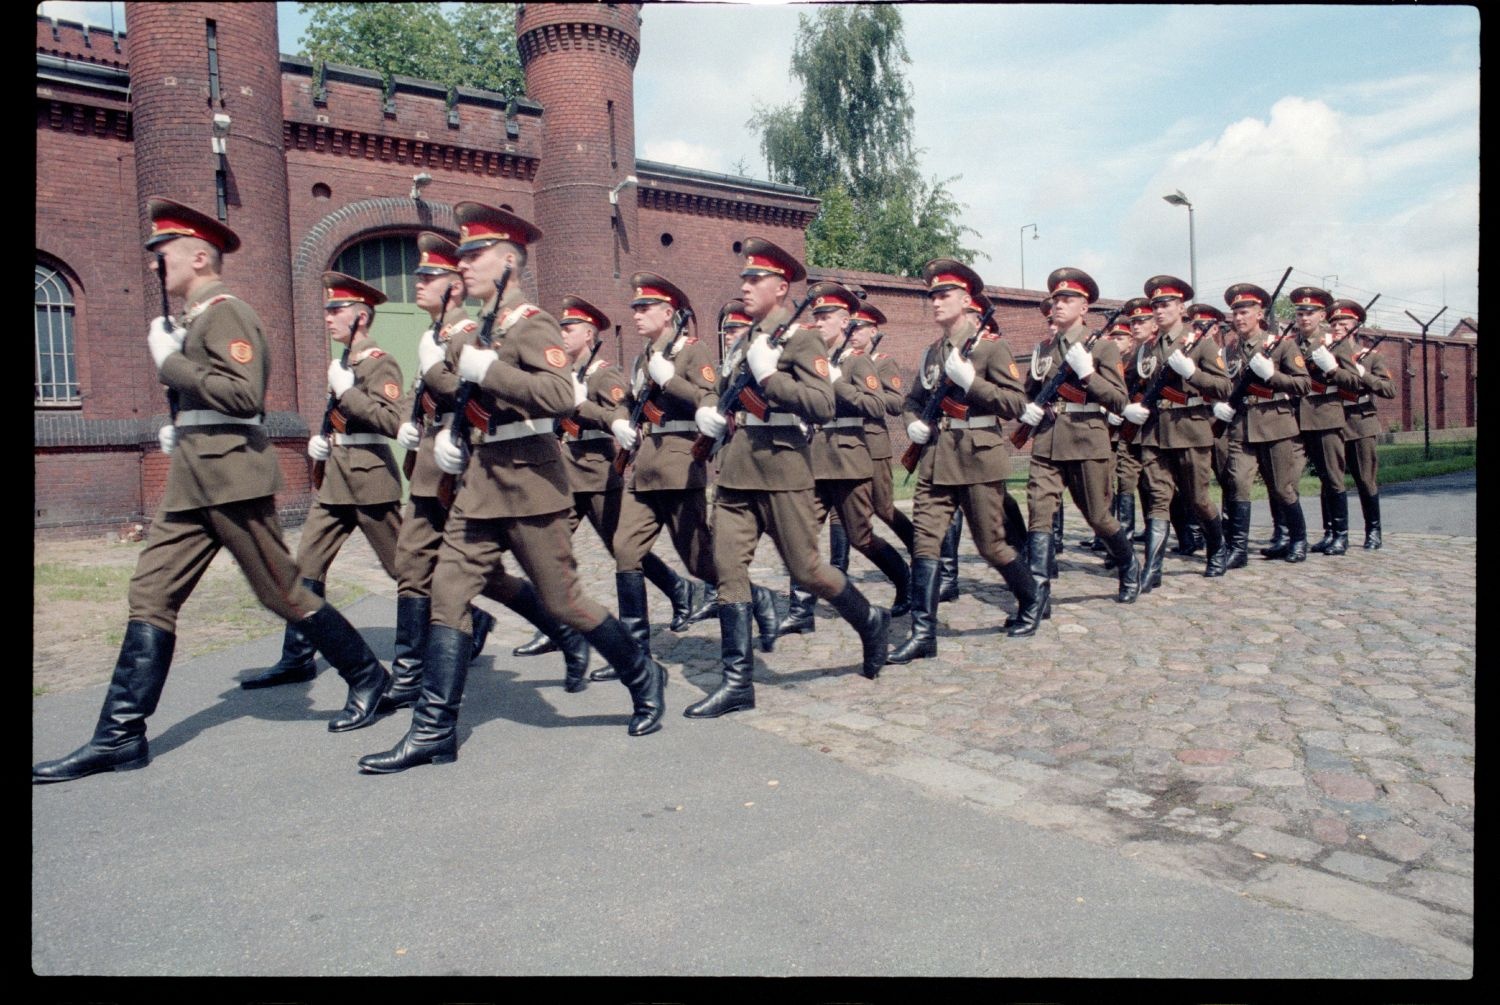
[(896, 382), (1299, 362), (555, 357), (392, 391), (240, 351), (1015, 371), (707, 373), (820, 365), (617, 393), (871, 382)]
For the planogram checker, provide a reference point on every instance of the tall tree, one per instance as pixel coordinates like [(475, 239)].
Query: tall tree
[(849, 142), (473, 46)]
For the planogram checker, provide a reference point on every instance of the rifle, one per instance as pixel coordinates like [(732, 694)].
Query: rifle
[(940, 402), (740, 389), (418, 390), (570, 425), (332, 418), (643, 406), (462, 419), (166, 318), (1158, 383), (1054, 387), (1320, 387)]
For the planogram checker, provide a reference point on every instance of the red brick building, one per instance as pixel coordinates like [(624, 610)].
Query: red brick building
[(318, 172)]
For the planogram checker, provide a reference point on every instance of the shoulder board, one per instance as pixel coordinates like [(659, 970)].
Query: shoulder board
[(881, 355), (460, 327), (211, 301), (374, 352), (692, 340), (595, 367), (520, 311), (988, 336)]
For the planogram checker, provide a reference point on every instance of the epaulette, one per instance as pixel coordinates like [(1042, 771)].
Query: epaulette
[(462, 327), (520, 311), (374, 352), (595, 367), (988, 336), (881, 355), (193, 314)]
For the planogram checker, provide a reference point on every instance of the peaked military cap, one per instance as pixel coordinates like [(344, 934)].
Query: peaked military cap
[(171, 220), (830, 296), (577, 309), (1165, 287), (653, 289), (1075, 281), (947, 274), (480, 226), (1246, 293), (762, 258), (1311, 298), (439, 255), (1347, 309)]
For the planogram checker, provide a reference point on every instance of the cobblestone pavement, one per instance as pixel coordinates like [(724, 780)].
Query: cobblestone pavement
[(1301, 734)]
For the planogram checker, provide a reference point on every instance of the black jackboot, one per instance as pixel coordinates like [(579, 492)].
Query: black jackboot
[(1015, 523), (575, 647), (1213, 544), (1122, 553), (1276, 547), (1296, 528), (838, 546), (799, 613), (1057, 542), (630, 588), (643, 677), (432, 737), (413, 615), (1032, 587), (1182, 526), (1371, 507), (119, 740), (872, 623), (537, 645), (1340, 543), (482, 621), (922, 642), (1116, 510), (737, 691), (1237, 551), (679, 589), (708, 606), (298, 660), (889, 561), (1327, 540), (1156, 549), (948, 560), (347, 652), (763, 608)]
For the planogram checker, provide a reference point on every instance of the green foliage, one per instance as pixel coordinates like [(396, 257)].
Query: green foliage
[(849, 142), (474, 46)]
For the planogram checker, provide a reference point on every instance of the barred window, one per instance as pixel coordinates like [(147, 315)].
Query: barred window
[(386, 263), (56, 362)]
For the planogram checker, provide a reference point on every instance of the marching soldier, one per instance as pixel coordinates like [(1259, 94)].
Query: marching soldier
[(1072, 445), (514, 495), (1127, 456), (1264, 426), (1176, 440), (1321, 411), (968, 460), (841, 464), (589, 450), (220, 493), (765, 477), (1361, 423), (863, 342)]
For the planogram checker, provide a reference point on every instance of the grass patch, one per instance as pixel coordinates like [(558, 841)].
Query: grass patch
[(53, 581)]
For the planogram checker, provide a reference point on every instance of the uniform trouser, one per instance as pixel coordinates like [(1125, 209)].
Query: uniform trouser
[(741, 517), (329, 525), (417, 545), (850, 499), (1237, 468), (683, 512), (182, 543), (470, 562), (883, 500), (1185, 469), (1088, 482), (1364, 464), (1222, 473), (1325, 448), (1128, 474), (1281, 463), (984, 509)]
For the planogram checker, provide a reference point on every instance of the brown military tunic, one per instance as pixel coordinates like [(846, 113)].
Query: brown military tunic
[(1128, 474), (223, 477), (1177, 439), (1362, 423), (590, 453), (878, 440), (841, 462), (1265, 425), (425, 517), (1321, 411), (765, 468), (1071, 445), (514, 494), (361, 486), (966, 461), (667, 486)]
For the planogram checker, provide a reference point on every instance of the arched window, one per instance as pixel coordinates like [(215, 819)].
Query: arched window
[(56, 363), (386, 263)]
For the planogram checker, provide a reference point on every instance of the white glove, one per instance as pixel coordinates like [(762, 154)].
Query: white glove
[(1113, 419), (919, 432), (834, 373), (167, 437), (625, 436), (449, 456), (761, 358), (317, 448), (660, 369), (1184, 366), (959, 370), (1079, 360), (340, 378), (1137, 413), (1261, 366), (162, 342), (710, 422), (474, 362), (1359, 368), (1223, 411), (1324, 359), (171, 327), (580, 392), (1032, 414), (429, 353), (409, 436)]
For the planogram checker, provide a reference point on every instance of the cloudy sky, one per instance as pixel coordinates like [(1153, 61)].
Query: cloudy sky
[(1341, 140)]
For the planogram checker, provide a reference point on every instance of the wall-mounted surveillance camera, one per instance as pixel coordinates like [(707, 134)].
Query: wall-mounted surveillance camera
[(418, 183), (221, 133)]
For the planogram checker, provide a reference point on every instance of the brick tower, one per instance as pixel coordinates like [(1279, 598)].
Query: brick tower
[(189, 61), (580, 65)]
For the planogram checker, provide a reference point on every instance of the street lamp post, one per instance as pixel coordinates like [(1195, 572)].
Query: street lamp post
[(1034, 235), (1178, 199)]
